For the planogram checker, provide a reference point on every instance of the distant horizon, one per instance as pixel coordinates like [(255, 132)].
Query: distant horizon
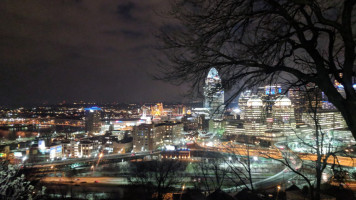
[(89, 104)]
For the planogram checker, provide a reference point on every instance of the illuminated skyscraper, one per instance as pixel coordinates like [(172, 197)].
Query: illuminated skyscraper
[(92, 120), (244, 97), (298, 101), (143, 138), (214, 94), (283, 118), (269, 90), (254, 117)]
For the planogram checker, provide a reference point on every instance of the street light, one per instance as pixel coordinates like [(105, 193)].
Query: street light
[(92, 168), (183, 186), (100, 156), (278, 189)]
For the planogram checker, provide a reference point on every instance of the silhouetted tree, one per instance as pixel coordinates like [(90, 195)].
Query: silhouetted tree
[(252, 42), (320, 146), (161, 175), (211, 175), (13, 184)]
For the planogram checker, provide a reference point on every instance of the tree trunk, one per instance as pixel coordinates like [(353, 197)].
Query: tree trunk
[(347, 107), (348, 111), (317, 188)]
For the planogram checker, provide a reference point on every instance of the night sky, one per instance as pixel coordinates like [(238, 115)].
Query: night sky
[(72, 50)]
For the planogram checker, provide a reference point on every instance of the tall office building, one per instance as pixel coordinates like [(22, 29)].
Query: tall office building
[(298, 101), (167, 133), (244, 97), (143, 138), (148, 137), (267, 116), (283, 113), (254, 119), (269, 94), (327, 120), (269, 90), (92, 120), (214, 95)]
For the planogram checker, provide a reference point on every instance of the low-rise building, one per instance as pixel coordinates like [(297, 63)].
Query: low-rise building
[(55, 151), (86, 149), (70, 149)]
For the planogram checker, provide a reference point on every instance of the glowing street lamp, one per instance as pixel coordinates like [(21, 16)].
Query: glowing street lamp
[(183, 186), (100, 156), (278, 189)]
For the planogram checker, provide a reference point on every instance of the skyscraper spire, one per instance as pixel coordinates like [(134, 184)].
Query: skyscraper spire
[(214, 94)]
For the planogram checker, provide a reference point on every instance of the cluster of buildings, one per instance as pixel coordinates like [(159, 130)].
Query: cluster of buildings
[(264, 116), (146, 132)]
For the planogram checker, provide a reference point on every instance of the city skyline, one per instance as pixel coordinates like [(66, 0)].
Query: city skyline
[(178, 99)]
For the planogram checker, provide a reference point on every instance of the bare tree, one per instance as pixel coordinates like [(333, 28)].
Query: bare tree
[(14, 185), (319, 146), (161, 175), (211, 175), (239, 165), (252, 42)]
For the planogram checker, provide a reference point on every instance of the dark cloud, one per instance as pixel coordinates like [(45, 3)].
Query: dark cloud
[(125, 10), (92, 50), (132, 34)]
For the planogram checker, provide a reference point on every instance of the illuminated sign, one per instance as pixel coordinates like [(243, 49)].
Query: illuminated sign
[(92, 108), (18, 154), (170, 148), (59, 149), (54, 151), (2, 155), (41, 144)]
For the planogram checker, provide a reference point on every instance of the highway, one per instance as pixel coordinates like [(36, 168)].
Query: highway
[(93, 159), (281, 178), (86, 180), (244, 150)]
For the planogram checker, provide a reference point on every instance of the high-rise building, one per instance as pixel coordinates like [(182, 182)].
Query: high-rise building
[(244, 97), (327, 120), (167, 133), (269, 94), (143, 138), (254, 119), (148, 137), (268, 116), (313, 99), (269, 90), (298, 101), (214, 94), (283, 114), (233, 127), (92, 120)]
